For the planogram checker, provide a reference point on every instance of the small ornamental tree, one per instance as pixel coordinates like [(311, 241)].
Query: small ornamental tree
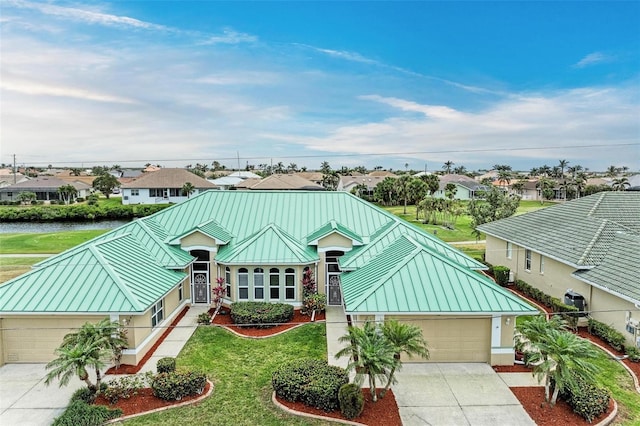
[(218, 293), (308, 283)]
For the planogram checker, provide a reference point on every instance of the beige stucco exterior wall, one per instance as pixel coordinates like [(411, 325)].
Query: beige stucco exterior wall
[(612, 310), (198, 239), (34, 338)]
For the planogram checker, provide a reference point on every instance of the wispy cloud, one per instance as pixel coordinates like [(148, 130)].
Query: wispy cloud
[(87, 16), (44, 89), (431, 111), (592, 59), (229, 36)]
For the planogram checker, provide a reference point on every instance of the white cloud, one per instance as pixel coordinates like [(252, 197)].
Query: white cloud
[(592, 59), (37, 88), (229, 36)]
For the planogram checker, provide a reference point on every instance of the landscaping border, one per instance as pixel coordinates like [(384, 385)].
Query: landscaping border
[(313, 416)]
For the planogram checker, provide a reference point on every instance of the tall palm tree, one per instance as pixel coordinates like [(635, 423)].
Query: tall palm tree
[(447, 166), (371, 354), (568, 356), (562, 164), (612, 171), (620, 184), (67, 193), (406, 339), (402, 189)]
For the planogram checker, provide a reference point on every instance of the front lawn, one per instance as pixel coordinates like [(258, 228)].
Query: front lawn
[(11, 267), (53, 242), (241, 370)]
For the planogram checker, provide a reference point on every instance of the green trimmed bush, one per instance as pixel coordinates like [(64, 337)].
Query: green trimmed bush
[(633, 353), (310, 381), (351, 400), (586, 399), (125, 387), (204, 318), (166, 365), (261, 314), (314, 302), (502, 275), (79, 413), (84, 394), (613, 337), (176, 385)]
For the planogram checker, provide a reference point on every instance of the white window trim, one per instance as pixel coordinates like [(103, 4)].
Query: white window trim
[(240, 286), (255, 286), (158, 315), (275, 274), (286, 287), (509, 250), (527, 260), (541, 265)]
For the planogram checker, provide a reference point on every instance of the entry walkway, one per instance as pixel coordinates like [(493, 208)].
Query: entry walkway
[(443, 394)]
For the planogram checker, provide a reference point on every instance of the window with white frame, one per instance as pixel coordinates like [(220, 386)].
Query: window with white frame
[(509, 249), (135, 192), (243, 284), (181, 291), (156, 192), (274, 284), (258, 283), (541, 264), (157, 313), (527, 260), (289, 284), (227, 279)]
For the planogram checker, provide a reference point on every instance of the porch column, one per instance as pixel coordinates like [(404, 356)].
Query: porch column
[(502, 353)]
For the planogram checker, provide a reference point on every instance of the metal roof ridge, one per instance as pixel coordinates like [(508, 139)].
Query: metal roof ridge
[(95, 250), (371, 243), (155, 238), (391, 271)]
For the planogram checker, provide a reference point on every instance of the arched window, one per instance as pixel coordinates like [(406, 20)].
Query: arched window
[(258, 283), (243, 284), (274, 284), (227, 279), (289, 284)]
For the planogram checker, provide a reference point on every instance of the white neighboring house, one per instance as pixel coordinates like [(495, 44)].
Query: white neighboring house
[(163, 186)]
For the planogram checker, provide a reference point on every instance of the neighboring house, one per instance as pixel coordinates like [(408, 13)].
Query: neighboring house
[(590, 246), (7, 179), (382, 173), (363, 258), (244, 174), (163, 186), (466, 187), (347, 183), (315, 177), (278, 182), (45, 188), (226, 182)]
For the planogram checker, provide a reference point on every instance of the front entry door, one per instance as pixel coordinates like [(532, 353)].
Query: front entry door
[(335, 296), (200, 287)]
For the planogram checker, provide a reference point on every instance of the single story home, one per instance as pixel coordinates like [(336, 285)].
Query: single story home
[(466, 187), (368, 261), (163, 186), (589, 246), (45, 188)]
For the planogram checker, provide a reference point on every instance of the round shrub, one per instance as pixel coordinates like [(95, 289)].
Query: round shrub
[(176, 385), (261, 314), (166, 365), (79, 413), (502, 275), (351, 400), (310, 381)]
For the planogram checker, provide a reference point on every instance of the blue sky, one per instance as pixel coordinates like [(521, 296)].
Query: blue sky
[(353, 83)]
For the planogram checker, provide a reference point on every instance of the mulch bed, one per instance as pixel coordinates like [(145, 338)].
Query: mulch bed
[(532, 400), (133, 369), (298, 318), (515, 368), (144, 401), (384, 412)]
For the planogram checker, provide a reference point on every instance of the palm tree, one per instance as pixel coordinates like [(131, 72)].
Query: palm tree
[(447, 166), (402, 189), (562, 164), (518, 187), (371, 354), (568, 356), (620, 184), (187, 189), (612, 171), (74, 360), (505, 176), (67, 193), (406, 339)]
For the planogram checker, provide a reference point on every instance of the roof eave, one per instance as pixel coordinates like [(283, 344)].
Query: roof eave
[(607, 290)]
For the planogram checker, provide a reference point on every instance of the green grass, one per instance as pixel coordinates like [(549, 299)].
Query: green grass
[(615, 378), (11, 267), (55, 242), (241, 370)]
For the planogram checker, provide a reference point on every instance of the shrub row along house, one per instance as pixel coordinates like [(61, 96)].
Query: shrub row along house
[(260, 242), (589, 247)]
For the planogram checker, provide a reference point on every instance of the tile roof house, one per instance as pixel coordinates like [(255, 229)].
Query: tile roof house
[(281, 182), (163, 186), (466, 187), (363, 258), (45, 188), (590, 246)]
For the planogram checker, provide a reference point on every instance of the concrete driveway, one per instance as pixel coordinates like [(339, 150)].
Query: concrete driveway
[(457, 394), (26, 400)]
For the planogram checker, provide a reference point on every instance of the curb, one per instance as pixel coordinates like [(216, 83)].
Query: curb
[(168, 407), (313, 416), (611, 416)]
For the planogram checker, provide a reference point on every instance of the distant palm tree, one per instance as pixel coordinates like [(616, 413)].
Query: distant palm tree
[(67, 193), (187, 189), (620, 184), (447, 166), (562, 164), (612, 171), (518, 187)]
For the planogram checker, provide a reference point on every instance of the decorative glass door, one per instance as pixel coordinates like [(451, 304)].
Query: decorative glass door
[(335, 295), (200, 287)]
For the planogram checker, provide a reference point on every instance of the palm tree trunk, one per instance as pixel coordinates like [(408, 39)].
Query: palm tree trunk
[(372, 387), (85, 378), (388, 385), (554, 398), (547, 385), (98, 380)]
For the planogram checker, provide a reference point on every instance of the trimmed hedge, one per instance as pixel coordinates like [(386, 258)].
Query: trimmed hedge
[(310, 381), (587, 400), (502, 275), (568, 312), (314, 302), (176, 385), (613, 337), (166, 365), (261, 314), (351, 400), (633, 354), (77, 212), (79, 413)]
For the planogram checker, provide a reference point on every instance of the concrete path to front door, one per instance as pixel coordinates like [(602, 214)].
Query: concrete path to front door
[(442, 394)]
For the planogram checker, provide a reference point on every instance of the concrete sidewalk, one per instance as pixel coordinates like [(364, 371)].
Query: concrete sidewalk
[(336, 328)]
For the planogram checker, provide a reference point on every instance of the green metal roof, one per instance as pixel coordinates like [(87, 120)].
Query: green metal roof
[(619, 271), (408, 278), (334, 227), (270, 245), (578, 232), (112, 275), (211, 229)]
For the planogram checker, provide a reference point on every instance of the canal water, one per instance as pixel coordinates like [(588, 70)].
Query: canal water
[(45, 227)]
